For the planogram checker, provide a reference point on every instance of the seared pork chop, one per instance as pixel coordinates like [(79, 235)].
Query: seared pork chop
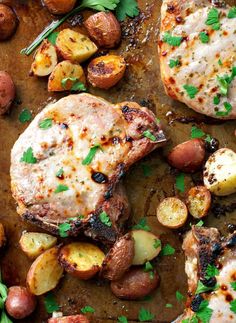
[(198, 55), (211, 270), (67, 165)]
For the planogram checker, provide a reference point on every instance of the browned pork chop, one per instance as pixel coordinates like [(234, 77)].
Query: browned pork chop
[(67, 165), (198, 55), (211, 270)]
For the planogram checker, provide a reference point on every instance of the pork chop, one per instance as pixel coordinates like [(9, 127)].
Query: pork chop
[(198, 55), (67, 165), (211, 270)]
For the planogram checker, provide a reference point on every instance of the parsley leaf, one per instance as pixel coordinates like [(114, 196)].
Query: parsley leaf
[(88, 159), (28, 157), (204, 313), (104, 218), (63, 229), (201, 288), (180, 182), (127, 8), (122, 319), (50, 303), (216, 100), (147, 170), (167, 250), (61, 188), (157, 243), (216, 26), (212, 17), (149, 268), (228, 108), (233, 285), (169, 305), (25, 116), (87, 309), (220, 62), (76, 84), (45, 124), (196, 132), (142, 225), (232, 13), (191, 90), (173, 63), (211, 271), (224, 84), (60, 172), (53, 37), (233, 306), (5, 318), (144, 315), (172, 40), (204, 37), (180, 297), (149, 135), (199, 224)]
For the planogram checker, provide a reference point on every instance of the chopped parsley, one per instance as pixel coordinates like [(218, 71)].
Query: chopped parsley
[(169, 305), (45, 124), (211, 271), (216, 100), (204, 313), (157, 243), (87, 309), (180, 297), (61, 188), (220, 62), (122, 319), (167, 250), (63, 229), (201, 288), (142, 225), (232, 13), (174, 62), (5, 318), (147, 170), (50, 303), (53, 37), (196, 132), (149, 135), (104, 218), (60, 172), (228, 109), (224, 84), (233, 306), (144, 315), (28, 157), (25, 116), (199, 224), (191, 90), (172, 40), (76, 84), (92, 152), (213, 19), (204, 37), (127, 8), (233, 285), (149, 268), (180, 182)]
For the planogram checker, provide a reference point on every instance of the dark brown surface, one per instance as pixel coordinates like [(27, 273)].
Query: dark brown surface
[(142, 84)]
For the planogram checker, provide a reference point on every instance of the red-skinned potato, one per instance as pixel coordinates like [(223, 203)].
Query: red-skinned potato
[(198, 201), (135, 284), (188, 156), (69, 319), (20, 303), (7, 92), (59, 7), (119, 258), (104, 29), (105, 71), (8, 22)]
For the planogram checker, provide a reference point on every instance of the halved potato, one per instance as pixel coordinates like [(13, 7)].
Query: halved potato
[(172, 213), (35, 243), (75, 46), (64, 76), (220, 172), (45, 60), (81, 259), (198, 201), (144, 246), (44, 273)]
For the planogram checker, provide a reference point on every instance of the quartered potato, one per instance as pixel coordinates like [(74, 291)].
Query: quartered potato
[(198, 201), (68, 72), (45, 272), (172, 213), (81, 259), (45, 60), (75, 46), (220, 172), (35, 243), (144, 246)]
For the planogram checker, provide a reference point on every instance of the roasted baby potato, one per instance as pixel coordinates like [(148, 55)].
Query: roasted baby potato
[(68, 72), (59, 7), (119, 258), (8, 22), (35, 243), (45, 59), (3, 238), (81, 259), (20, 303), (105, 71), (188, 156), (172, 213), (74, 46), (198, 201), (104, 29), (7, 92), (70, 319), (135, 284), (44, 273), (220, 172), (144, 246)]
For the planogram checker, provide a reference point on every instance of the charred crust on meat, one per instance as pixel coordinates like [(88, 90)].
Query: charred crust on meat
[(231, 242), (196, 302), (121, 171), (209, 282), (108, 194), (97, 229), (99, 178), (64, 126), (125, 109)]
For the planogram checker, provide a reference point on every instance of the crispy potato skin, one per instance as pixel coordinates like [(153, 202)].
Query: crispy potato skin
[(8, 22), (119, 258), (70, 319), (3, 238), (104, 29), (106, 71), (59, 7), (135, 284), (20, 303), (7, 92), (198, 201), (188, 156)]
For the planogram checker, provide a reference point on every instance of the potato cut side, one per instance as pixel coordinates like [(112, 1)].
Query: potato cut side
[(172, 213), (45, 60), (35, 243), (75, 46), (64, 76), (220, 172), (198, 201), (146, 246), (81, 259), (45, 272)]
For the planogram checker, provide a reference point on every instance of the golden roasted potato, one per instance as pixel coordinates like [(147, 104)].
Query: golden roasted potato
[(220, 172), (172, 213), (8, 22), (64, 76), (3, 239), (7, 92), (69, 319), (45, 59), (145, 246), (198, 201), (105, 71), (44, 273), (35, 243), (59, 7), (74, 46), (104, 29), (81, 259)]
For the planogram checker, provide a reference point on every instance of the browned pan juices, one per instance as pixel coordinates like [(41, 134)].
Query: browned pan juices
[(142, 84)]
